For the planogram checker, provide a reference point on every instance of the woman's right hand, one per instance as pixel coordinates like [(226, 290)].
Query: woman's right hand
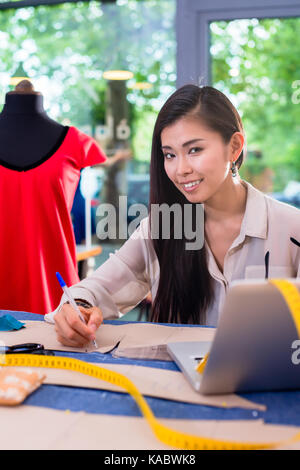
[(71, 331)]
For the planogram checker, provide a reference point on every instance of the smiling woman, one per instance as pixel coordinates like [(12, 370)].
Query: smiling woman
[(198, 142), (197, 149)]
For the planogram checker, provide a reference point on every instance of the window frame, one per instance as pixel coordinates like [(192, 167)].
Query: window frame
[(35, 3), (193, 18)]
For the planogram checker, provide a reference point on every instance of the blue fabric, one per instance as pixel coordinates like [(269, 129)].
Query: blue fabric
[(9, 323), (78, 217), (282, 407)]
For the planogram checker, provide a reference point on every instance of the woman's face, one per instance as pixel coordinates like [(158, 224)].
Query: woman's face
[(196, 159)]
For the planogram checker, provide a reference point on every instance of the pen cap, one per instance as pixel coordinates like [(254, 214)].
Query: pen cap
[(60, 280)]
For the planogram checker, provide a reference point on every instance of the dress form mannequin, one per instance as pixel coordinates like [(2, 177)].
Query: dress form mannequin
[(27, 134), (40, 164)]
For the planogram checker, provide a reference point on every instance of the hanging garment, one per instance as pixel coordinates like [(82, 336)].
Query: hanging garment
[(36, 232)]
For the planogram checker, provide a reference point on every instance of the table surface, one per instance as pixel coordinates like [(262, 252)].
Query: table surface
[(281, 407)]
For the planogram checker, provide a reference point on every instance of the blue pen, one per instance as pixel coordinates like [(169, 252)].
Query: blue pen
[(72, 302)]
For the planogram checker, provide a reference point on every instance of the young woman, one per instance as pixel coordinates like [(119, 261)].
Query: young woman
[(198, 146)]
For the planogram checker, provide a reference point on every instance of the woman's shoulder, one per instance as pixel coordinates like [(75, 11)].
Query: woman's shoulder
[(284, 214), (282, 208), (279, 216), (275, 206)]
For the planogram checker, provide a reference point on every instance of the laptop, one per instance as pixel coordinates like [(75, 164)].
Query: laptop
[(253, 348)]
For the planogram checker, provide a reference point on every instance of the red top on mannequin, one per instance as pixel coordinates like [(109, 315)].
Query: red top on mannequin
[(40, 163)]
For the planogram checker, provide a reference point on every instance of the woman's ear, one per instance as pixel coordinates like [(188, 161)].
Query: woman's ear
[(236, 145)]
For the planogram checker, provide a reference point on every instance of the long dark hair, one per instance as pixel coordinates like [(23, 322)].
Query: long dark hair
[(185, 288)]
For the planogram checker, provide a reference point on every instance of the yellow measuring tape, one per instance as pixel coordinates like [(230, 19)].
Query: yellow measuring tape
[(165, 434)]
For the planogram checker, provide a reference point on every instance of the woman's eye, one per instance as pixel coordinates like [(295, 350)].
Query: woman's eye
[(195, 150), (168, 155)]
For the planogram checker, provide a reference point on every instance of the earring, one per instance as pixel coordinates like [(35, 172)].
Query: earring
[(233, 169)]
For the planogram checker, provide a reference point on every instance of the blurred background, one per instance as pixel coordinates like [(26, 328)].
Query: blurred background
[(67, 50)]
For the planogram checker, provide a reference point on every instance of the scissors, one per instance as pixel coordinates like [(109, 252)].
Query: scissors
[(26, 348)]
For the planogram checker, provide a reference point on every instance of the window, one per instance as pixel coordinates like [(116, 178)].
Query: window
[(64, 49), (263, 81)]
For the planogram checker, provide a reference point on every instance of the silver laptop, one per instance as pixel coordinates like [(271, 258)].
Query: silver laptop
[(252, 349)]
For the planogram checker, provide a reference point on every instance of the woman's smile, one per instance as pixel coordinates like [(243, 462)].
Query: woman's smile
[(191, 185)]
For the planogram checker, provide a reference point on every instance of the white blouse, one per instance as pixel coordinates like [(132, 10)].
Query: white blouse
[(126, 278)]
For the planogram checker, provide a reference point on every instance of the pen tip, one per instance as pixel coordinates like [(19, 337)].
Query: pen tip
[(60, 280)]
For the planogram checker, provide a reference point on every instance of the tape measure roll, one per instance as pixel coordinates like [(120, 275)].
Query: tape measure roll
[(165, 434), (291, 295)]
